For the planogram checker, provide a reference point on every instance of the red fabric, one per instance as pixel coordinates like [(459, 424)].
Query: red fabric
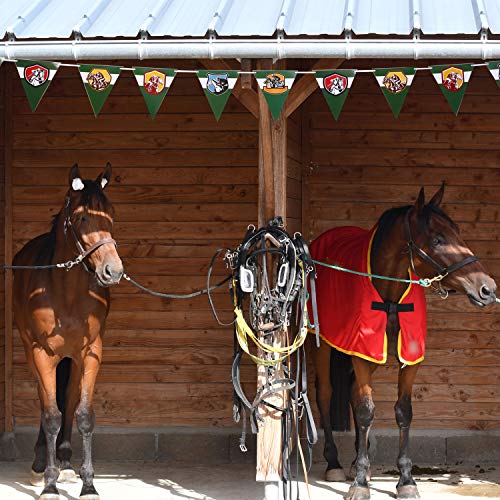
[(346, 318)]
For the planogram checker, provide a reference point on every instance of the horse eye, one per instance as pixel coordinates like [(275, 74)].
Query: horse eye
[(436, 241)]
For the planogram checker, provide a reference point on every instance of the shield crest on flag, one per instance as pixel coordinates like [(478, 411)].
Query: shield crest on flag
[(453, 78), (395, 81), (154, 82), (217, 83), (36, 75), (99, 79), (275, 83), (335, 84)]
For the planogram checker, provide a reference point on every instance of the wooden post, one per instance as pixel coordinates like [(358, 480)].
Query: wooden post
[(8, 244), (272, 202)]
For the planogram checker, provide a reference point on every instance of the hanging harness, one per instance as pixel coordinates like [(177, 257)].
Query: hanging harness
[(270, 255)]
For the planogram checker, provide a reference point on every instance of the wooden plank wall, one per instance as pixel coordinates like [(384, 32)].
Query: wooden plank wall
[(2, 253), (182, 186), (368, 162), (294, 174)]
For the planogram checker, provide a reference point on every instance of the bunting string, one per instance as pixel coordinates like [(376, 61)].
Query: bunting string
[(217, 85)]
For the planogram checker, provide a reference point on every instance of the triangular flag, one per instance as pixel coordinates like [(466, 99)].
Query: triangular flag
[(217, 86), (36, 77), (275, 86), (98, 81), (335, 85), (453, 81), (494, 67), (154, 84), (395, 84)]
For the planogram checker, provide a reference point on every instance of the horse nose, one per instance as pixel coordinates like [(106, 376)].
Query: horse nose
[(112, 275), (486, 293)]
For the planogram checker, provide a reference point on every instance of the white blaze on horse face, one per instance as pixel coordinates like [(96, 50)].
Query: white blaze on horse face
[(104, 181), (77, 184)]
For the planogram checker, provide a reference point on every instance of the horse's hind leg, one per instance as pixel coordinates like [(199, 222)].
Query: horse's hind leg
[(71, 388), (406, 487), (38, 467), (85, 419), (321, 355)]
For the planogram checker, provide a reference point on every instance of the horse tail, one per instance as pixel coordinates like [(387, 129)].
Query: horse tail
[(63, 372), (341, 378)]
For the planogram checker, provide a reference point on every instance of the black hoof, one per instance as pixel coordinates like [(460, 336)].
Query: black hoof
[(407, 492), (358, 493), (89, 493)]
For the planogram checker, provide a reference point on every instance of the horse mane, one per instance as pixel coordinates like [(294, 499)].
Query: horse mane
[(389, 217)]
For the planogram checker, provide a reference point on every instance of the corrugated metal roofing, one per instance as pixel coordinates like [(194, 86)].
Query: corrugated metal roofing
[(232, 18)]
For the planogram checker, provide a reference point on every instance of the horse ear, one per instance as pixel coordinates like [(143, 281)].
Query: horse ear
[(419, 204), (75, 178), (438, 197), (104, 178)]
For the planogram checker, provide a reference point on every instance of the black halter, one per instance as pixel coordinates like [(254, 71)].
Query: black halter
[(442, 271), (82, 253)]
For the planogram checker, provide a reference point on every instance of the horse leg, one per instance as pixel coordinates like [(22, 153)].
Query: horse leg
[(45, 367), (71, 400), (40, 462), (406, 487), (321, 355), (364, 413), (85, 419)]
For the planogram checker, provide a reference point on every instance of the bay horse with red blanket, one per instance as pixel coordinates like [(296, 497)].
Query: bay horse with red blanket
[(366, 318), (60, 316)]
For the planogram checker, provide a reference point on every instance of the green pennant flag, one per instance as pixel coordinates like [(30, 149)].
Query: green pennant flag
[(217, 86), (335, 85), (395, 84), (453, 81), (36, 77), (98, 81), (494, 67), (275, 86), (154, 84)]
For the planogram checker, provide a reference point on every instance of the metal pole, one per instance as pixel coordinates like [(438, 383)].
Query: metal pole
[(249, 48)]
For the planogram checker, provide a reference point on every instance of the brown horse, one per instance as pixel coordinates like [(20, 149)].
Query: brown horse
[(61, 317), (422, 238)]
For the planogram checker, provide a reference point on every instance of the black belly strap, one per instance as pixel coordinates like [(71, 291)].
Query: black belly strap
[(392, 307)]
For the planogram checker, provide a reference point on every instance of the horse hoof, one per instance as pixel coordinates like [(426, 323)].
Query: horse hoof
[(358, 493), (352, 473), (67, 476), (335, 476), (37, 478), (49, 496), (407, 492), (89, 497)]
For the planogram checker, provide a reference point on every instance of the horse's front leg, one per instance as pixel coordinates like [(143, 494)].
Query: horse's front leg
[(45, 369), (406, 487), (85, 418), (364, 413)]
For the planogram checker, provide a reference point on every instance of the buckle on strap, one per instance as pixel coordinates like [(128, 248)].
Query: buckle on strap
[(392, 307)]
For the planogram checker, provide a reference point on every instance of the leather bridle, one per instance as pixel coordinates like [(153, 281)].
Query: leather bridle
[(82, 252), (442, 271)]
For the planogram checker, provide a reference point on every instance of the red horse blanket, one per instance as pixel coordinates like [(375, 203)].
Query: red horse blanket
[(347, 319)]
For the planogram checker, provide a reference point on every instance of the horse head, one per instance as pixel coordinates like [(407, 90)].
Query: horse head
[(89, 222), (437, 249)]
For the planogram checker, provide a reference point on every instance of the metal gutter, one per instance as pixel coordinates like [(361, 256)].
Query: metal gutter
[(250, 48)]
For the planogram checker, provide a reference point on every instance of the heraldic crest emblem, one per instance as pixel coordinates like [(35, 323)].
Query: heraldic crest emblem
[(453, 78), (395, 81), (99, 79), (275, 84), (217, 83), (335, 84), (36, 75)]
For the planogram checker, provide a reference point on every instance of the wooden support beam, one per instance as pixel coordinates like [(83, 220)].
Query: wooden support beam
[(247, 96), (8, 110), (307, 85), (272, 202)]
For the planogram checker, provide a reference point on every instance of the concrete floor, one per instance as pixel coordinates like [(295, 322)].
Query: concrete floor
[(155, 481)]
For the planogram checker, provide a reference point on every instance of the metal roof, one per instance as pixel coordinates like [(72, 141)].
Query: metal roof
[(89, 19)]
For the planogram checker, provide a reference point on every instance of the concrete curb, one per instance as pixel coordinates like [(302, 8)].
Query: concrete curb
[(211, 446)]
